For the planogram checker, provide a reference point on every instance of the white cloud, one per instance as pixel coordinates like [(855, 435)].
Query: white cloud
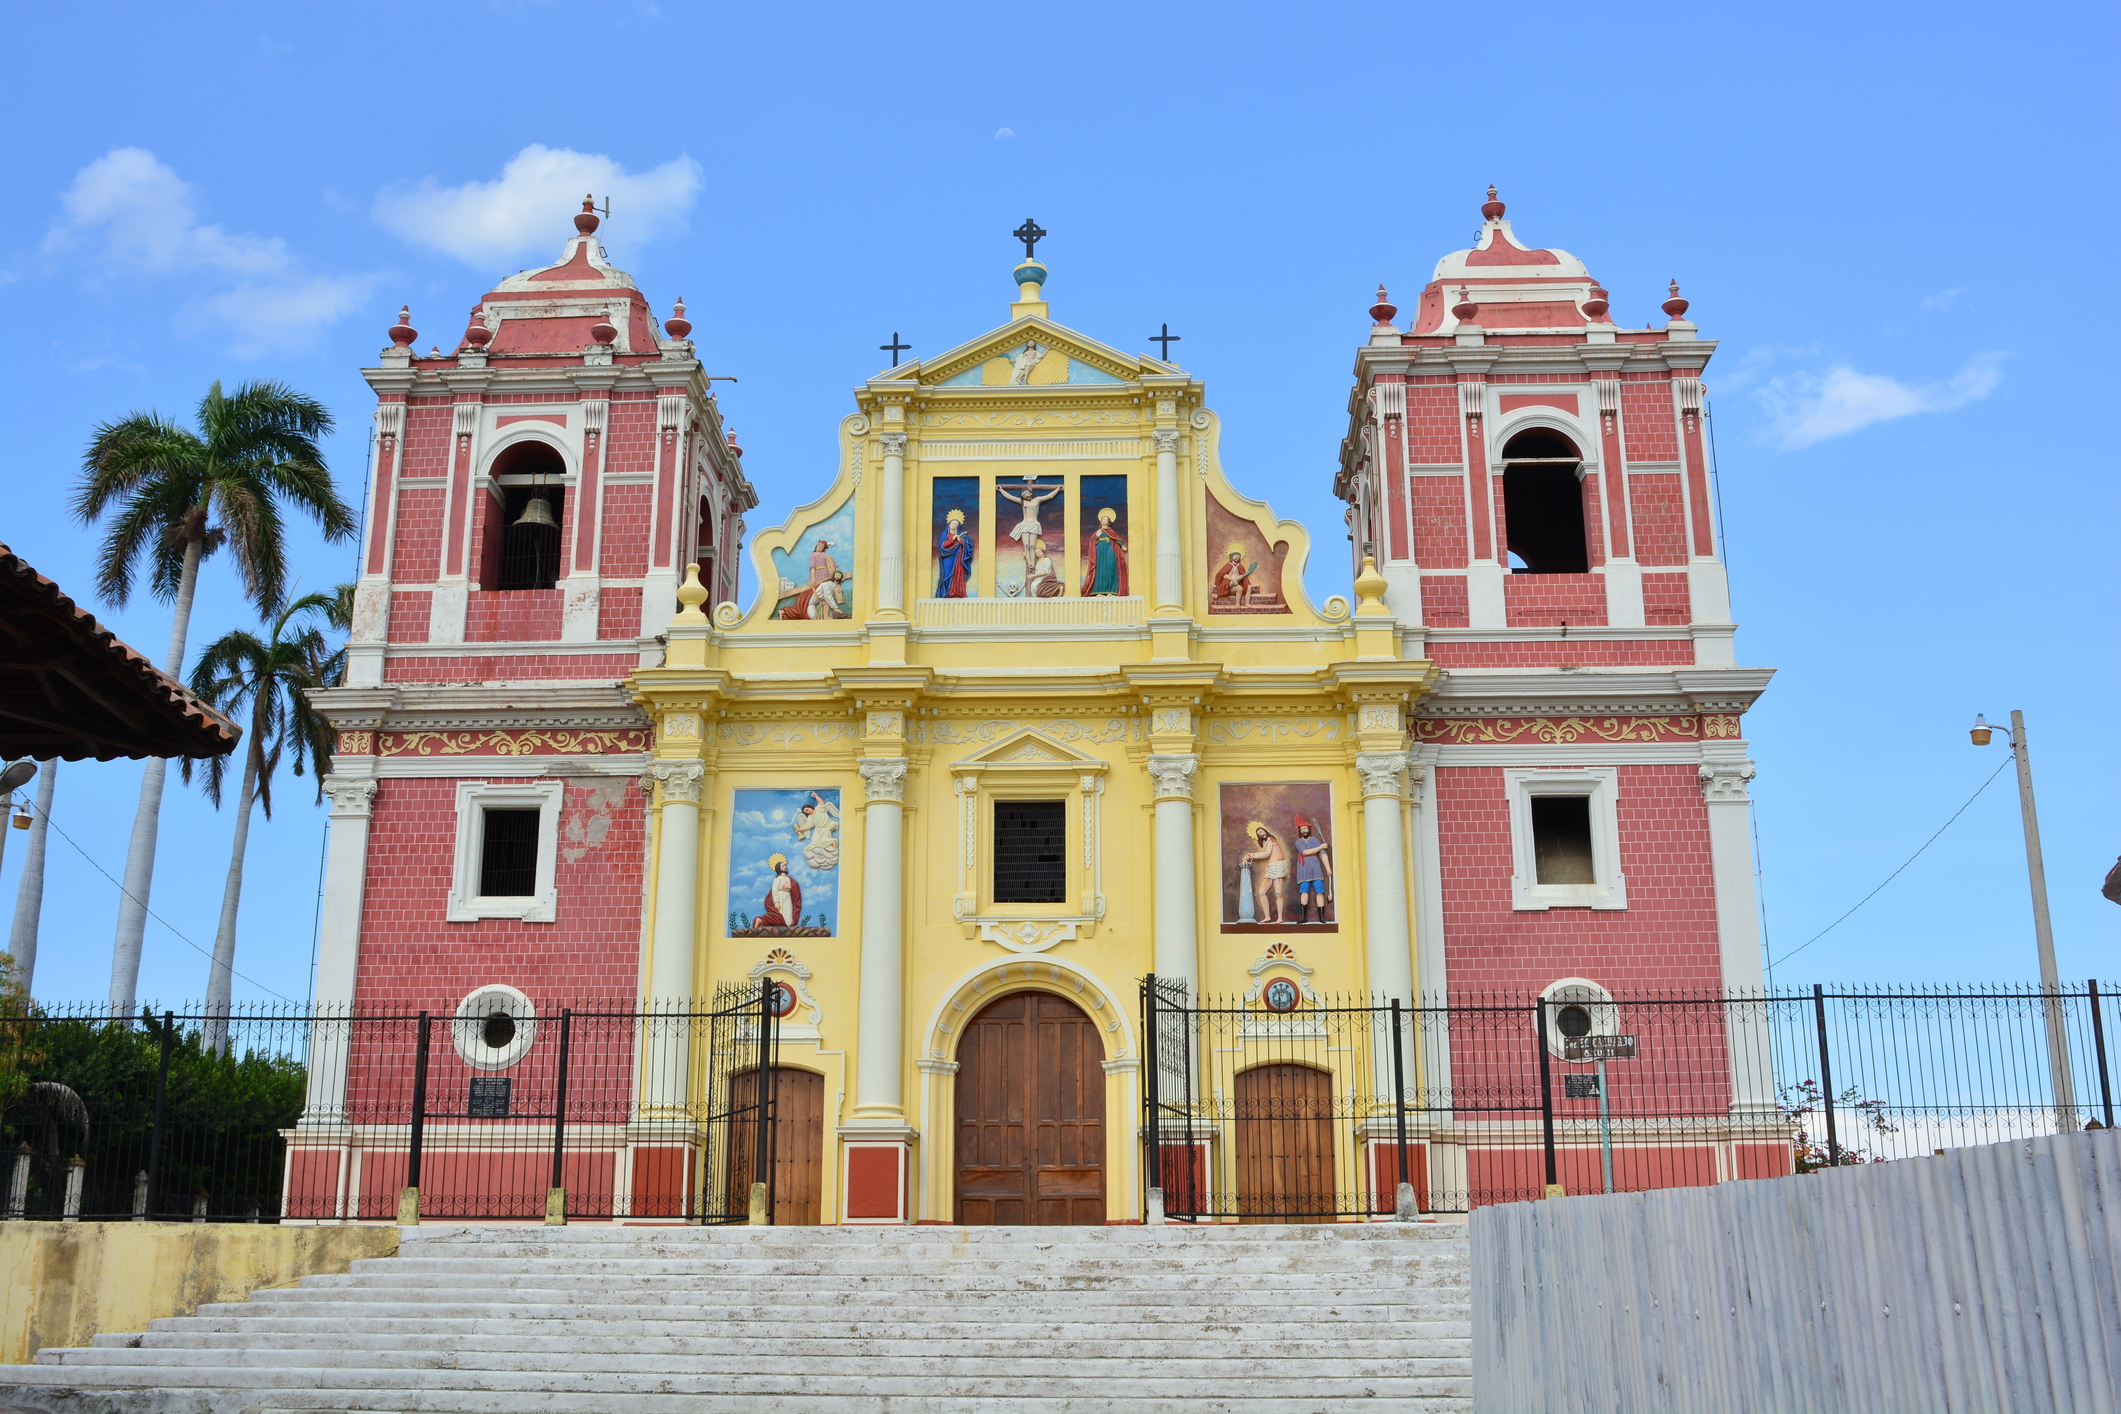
[(1943, 299), (1811, 407), (128, 216), (532, 204), (1004, 134)]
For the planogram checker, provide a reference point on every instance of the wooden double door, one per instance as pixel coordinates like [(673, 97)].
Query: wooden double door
[(1031, 1115), (1284, 1120), (797, 1141)]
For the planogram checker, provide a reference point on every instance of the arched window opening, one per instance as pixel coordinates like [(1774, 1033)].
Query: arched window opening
[(1542, 504), (530, 506), (703, 541)]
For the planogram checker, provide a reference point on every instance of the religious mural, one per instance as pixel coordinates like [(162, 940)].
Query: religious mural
[(1278, 870), (1244, 572), (784, 863), (817, 571), (1104, 534), (1030, 523), (954, 534)]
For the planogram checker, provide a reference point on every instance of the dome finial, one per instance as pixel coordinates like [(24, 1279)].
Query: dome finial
[(586, 221), (1493, 209), (477, 334), (677, 325), (1465, 309), (1675, 306), (402, 333), (1384, 309)]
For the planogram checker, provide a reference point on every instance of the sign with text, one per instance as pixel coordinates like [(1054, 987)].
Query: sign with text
[(489, 1097), (1598, 1048)]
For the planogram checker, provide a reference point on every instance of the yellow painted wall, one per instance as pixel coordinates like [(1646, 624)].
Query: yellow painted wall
[(61, 1283)]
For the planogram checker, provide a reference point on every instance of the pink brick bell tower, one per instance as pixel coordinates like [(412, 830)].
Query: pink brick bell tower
[(1535, 484)]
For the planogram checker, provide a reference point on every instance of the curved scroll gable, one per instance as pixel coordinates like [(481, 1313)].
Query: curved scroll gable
[(1278, 548), (789, 566)]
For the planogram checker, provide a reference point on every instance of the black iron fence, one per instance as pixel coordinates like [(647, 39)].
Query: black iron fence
[(488, 1112), (1286, 1106)]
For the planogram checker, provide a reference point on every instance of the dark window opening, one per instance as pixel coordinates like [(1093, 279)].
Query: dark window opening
[(1561, 839), (1542, 505), (1030, 851), (499, 1030), (1573, 1021), (508, 858), (524, 533)]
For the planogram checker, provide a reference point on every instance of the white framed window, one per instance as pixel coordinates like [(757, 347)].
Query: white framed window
[(494, 1027), (1565, 838), (508, 836)]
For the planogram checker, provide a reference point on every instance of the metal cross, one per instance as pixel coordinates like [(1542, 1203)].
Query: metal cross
[(1030, 235), (895, 347), (1165, 338)]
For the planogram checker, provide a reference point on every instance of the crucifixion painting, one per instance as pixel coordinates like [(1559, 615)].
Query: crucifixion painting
[(1030, 500)]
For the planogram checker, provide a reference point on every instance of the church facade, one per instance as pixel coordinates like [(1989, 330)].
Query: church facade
[(1031, 703)]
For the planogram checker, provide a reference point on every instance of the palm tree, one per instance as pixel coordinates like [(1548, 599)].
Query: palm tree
[(179, 495), (270, 677)]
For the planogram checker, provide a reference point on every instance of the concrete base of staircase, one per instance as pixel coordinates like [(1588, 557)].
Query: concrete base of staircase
[(933, 1320)]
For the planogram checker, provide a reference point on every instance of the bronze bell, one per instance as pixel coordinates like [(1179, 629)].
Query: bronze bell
[(538, 512)]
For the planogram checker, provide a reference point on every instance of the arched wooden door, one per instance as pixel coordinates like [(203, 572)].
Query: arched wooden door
[(1284, 1118), (798, 1142), (1031, 1114)]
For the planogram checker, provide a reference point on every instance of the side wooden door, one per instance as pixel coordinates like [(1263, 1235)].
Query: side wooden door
[(1031, 1115), (798, 1142), (1284, 1119)]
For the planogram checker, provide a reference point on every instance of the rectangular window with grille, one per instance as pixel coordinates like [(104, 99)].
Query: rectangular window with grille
[(1030, 851), (508, 856)]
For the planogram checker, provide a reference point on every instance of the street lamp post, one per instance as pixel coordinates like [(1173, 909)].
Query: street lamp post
[(2043, 929)]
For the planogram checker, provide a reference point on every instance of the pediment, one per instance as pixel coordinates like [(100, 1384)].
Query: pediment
[(1028, 748), (1033, 352)]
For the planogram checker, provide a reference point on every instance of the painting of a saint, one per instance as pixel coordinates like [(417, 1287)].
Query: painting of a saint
[(817, 573), (956, 533), (1245, 571), (784, 855), (1025, 507), (1104, 535), (1278, 870)]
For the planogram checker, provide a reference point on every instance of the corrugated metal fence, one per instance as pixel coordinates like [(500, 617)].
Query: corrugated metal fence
[(1984, 1278)]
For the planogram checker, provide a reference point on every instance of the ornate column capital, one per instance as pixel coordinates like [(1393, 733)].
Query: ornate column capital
[(1173, 775), (1723, 781), (1381, 772), (679, 781), (894, 444), (1166, 439), (351, 799), (885, 778)]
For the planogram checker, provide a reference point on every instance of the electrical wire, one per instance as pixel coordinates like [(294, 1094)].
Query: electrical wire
[(2007, 760), (156, 916)]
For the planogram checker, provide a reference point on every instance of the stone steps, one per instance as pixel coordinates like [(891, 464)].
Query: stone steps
[(667, 1320)]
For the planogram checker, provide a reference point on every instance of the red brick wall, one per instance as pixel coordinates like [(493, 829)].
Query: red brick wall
[(514, 616), (1575, 652), (417, 556), (512, 667), (409, 610), (1432, 425), (1439, 521), (1664, 939), (1551, 598), (1647, 423), (1660, 517), (411, 957), (1443, 601), (619, 614), (626, 512), (1665, 599)]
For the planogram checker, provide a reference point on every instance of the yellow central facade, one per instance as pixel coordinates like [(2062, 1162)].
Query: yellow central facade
[(1018, 697)]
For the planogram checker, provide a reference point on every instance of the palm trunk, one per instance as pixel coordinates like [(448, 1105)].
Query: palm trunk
[(29, 893), (220, 980), (140, 854)]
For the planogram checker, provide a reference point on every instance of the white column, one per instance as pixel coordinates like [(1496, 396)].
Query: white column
[(1729, 805), (677, 882), (1177, 949), (880, 1030), (1390, 953), (338, 944), (1170, 563), (891, 530), (1433, 977)]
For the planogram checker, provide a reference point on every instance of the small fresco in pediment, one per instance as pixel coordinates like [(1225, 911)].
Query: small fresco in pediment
[(1244, 571), (1029, 364), (817, 572)]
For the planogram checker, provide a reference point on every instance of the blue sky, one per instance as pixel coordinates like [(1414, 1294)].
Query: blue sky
[(1893, 218)]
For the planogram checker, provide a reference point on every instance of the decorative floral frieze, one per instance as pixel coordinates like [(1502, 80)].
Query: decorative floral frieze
[(788, 734), (945, 733), (1263, 731), (511, 743), (1483, 731)]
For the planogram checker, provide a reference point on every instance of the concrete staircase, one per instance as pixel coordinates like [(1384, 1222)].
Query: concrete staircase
[(837, 1320)]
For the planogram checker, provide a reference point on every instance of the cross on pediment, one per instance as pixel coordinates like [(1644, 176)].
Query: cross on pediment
[(1030, 235)]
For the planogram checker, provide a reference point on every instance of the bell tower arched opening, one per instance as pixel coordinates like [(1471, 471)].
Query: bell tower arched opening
[(1542, 495)]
